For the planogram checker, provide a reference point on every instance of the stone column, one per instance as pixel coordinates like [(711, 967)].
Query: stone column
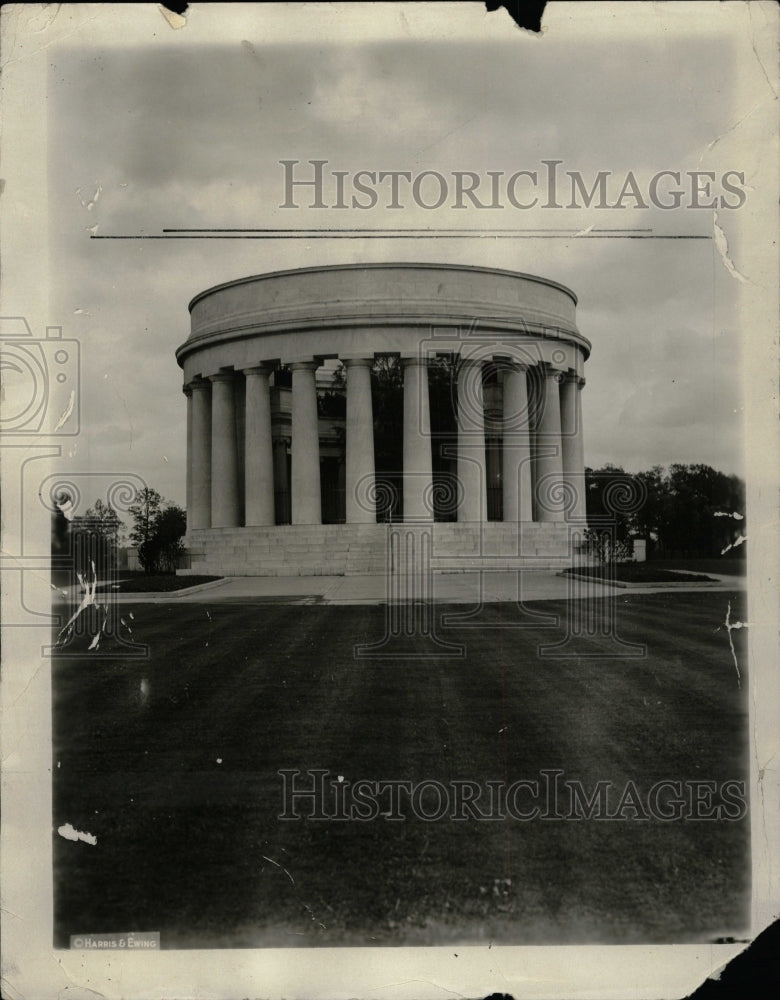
[(549, 461), (359, 484), (518, 483), (199, 512), (535, 384), (472, 488), (418, 464), (306, 496), (258, 451), (224, 452), (571, 440), (187, 390), (578, 462)]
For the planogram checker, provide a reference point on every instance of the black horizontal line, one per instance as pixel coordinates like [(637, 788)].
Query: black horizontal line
[(400, 236), (357, 229)]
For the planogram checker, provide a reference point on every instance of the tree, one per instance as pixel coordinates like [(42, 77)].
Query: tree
[(165, 545), (697, 498), (145, 510), (62, 558), (60, 524), (600, 487), (648, 521), (687, 509), (86, 544), (158, 529), (105, 520), (283, 376)]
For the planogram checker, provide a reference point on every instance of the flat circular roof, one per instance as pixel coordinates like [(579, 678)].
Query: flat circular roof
[(381, 267), (379, 307)]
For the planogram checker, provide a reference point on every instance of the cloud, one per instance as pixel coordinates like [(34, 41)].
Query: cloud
[(177, 137)]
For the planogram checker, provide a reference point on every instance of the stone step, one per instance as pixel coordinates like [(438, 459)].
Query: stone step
[(309, 550)]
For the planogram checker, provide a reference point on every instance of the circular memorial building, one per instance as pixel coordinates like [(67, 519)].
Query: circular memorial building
[(329, 408)]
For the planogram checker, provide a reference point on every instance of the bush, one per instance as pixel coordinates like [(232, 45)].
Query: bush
[(607, 548)]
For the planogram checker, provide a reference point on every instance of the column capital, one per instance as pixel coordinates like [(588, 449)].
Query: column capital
[(510, 365), (413, 360), (358, 362), (187, 389), (222, 377), (551, 372), (261, 369), (304, 366), (198, 383), (471, 362)]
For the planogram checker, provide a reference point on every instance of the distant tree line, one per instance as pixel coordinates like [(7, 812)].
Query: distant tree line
[(685, 510), (157, 532)]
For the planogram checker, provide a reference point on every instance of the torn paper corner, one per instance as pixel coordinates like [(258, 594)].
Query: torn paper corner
[(721, 243), (175, 20)]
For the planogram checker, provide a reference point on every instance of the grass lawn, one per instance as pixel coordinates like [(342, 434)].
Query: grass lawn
[(172, 763), (133, 582), (641, 573), (726, 565)]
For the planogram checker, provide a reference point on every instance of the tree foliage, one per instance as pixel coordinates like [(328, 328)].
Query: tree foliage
[(166, 545), (685, 510), (158, 529), (103, 518), (144, 511), (85, 544)]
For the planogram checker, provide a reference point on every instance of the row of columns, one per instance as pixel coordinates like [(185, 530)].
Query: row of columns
[(548, 456)]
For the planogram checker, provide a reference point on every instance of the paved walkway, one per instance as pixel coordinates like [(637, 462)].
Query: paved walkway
[(450, 588)]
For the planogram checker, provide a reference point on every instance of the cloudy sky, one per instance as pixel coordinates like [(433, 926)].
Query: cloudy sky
[(183, 133)]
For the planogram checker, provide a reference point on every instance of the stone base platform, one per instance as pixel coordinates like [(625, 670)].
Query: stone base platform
[(370, 549)]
